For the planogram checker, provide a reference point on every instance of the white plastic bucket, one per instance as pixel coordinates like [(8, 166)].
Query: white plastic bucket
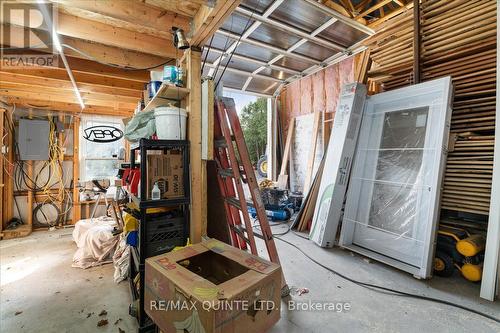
[(170, 123)]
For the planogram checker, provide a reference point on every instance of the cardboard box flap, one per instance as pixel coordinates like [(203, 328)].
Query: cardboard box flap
[(209, 270), (244, 258)]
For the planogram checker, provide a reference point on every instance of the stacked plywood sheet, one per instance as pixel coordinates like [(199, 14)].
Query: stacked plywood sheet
[(458, 39), (391, 52), (469, 169)]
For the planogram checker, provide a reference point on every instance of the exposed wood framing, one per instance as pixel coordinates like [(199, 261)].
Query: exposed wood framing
[(288, 147), (198, 212), (131, 15), (77, 27), (184, 7), (373, 8), (416, 42), (76, 170), (8, 188), (362, 65), (207, 20)]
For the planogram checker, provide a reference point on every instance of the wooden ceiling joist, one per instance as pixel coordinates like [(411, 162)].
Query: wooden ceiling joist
[(208, 19), (53, 95), (38, 82), (131, 15), (80, 77), (183, 7), (65, 107), (90, 50), (77, 27), (371, 9)]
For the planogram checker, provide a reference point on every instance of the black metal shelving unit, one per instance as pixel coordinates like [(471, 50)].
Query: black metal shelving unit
[(138, 254)]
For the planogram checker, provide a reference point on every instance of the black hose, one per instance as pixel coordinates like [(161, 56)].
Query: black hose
[(38, 208), (385, 290)]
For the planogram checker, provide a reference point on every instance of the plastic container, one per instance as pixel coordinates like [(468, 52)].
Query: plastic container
[(170, 123), (179, 81), (153, 87), (155, 193), (170, 74), (165, 233)]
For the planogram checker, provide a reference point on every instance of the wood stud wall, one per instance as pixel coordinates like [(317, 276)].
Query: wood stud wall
[(458, 38)]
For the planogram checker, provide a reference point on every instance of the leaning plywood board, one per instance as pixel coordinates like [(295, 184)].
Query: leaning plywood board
[(392, 205), (338, 160), (301, 146)]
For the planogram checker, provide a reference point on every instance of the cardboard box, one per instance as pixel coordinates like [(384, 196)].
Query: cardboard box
[(212, 287), (168, 170)]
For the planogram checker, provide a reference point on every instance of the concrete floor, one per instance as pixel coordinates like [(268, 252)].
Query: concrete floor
[(37, 280)]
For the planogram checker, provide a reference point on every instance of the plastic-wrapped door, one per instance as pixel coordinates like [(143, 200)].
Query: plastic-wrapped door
[(393, 200)]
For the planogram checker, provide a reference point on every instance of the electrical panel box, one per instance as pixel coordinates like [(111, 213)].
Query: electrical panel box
[(33, 140)]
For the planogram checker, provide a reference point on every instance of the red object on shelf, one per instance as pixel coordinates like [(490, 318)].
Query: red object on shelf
[(126, 173), (135, 176)]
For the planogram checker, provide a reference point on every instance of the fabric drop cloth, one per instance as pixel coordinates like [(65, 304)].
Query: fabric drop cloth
[(95, 241)]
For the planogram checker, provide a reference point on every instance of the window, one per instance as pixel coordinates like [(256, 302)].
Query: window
[(100, 160)]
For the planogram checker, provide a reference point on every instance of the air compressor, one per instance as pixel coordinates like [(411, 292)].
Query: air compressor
[(457, 248)]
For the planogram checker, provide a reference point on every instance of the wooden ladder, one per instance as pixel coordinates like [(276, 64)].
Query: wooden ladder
[(231, 175)]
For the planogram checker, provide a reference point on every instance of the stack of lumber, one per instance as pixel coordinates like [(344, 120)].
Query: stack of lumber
[(304, 218), (467, 183), (459, 39), (391, 52)]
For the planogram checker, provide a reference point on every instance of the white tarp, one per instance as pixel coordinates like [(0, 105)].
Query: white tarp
[(95, 241)]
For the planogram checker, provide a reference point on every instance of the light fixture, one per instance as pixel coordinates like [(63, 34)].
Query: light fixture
[(180, 41), (55, 41), (79, 97), (58, 46)]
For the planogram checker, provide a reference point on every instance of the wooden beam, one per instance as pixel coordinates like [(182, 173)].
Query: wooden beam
[(8, 188), (38, 82), (288, 147), (81, 65), (88, 66), (372, 8), (207, 20), (378, 22), (76, 210), (360, 6), (73, 26), (183, 7), (416, 42), (348, 6), (110, 54), (46, 107), (56, 94), (336, 7), (198, 212), (131, 15), (82, 78)]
